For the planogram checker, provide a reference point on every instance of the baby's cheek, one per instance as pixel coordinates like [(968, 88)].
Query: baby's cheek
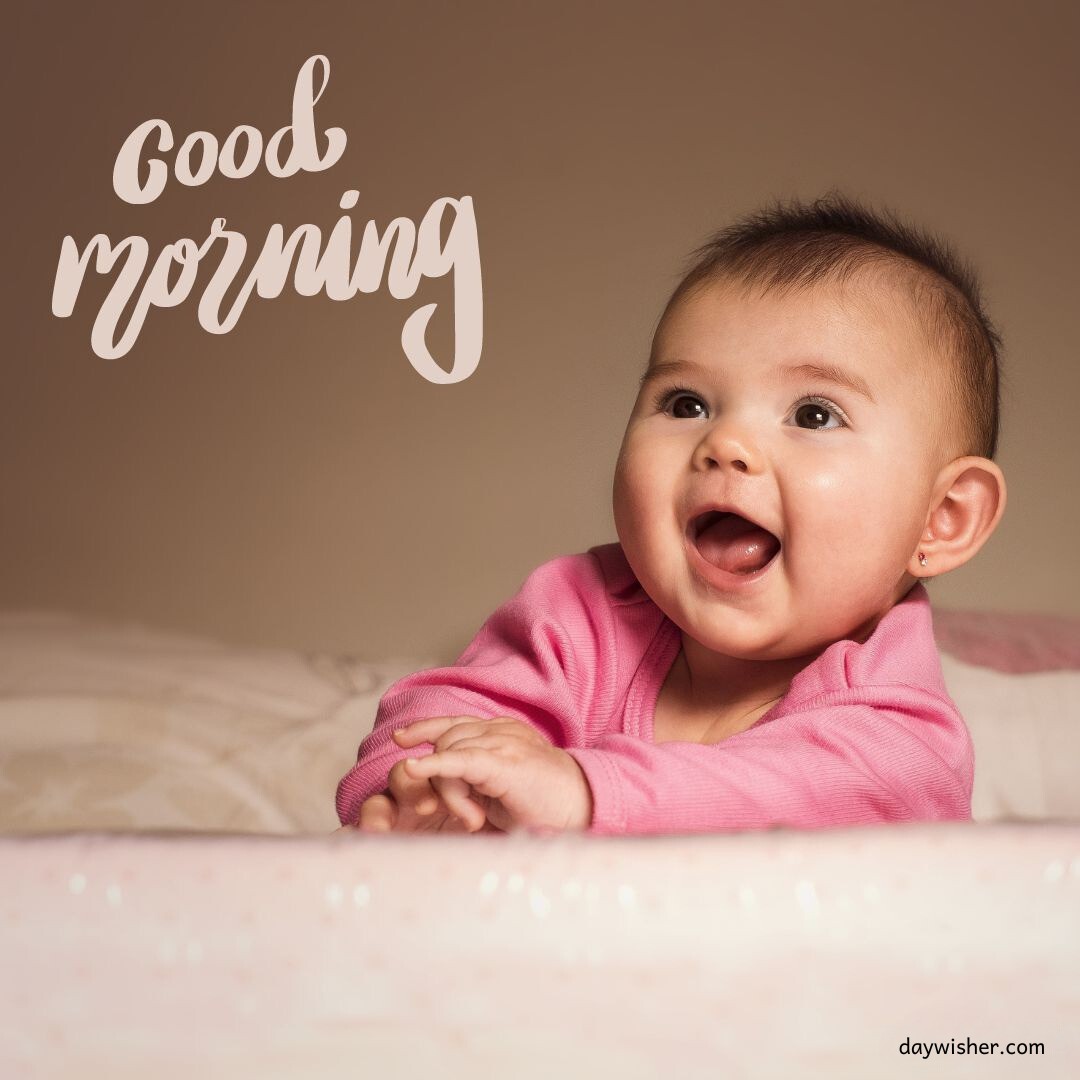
[(628, 514)]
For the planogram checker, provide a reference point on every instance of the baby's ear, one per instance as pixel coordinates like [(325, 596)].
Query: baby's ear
[(967, 503)]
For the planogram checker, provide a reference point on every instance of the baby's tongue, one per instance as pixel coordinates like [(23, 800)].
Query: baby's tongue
[(734, 544)]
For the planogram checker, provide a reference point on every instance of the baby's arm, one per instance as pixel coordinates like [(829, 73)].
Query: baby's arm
[(533, 662), (826, 765)]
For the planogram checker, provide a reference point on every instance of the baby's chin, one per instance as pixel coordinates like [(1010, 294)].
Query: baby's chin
[(760, 644), (752, 637)]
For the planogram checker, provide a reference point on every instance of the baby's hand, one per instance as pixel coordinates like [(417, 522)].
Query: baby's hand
[(526, 782), (412, 805)]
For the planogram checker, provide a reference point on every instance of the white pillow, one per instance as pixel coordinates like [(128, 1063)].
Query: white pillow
[(1026, 730)]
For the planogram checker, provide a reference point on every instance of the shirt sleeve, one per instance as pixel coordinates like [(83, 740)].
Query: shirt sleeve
[(899, 754), (539, 659)]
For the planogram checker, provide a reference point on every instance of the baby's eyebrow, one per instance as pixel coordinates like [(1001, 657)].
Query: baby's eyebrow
[(661, 369), (829, 373), (811, 370)]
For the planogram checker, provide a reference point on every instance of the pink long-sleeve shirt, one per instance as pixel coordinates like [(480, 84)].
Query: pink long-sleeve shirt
[(865, 733)]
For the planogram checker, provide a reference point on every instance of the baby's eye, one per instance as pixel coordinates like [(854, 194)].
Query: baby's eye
[(682, 404), (814, 414)]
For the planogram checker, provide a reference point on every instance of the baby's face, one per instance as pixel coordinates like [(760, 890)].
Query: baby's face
[(843, 480)]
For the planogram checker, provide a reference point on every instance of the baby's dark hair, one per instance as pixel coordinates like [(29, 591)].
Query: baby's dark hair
[(786, 247)]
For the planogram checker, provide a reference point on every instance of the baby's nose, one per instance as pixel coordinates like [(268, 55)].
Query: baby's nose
[(727, 446)]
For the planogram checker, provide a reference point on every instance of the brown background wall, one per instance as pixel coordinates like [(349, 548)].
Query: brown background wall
[(295, 481)]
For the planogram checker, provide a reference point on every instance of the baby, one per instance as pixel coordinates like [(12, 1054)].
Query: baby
[(812, 440)]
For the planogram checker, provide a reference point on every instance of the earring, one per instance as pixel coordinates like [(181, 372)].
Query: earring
[(922, 559)]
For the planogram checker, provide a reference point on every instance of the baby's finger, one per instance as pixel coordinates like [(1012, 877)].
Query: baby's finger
[(411, 794), (421, 797), (377, 814), (428, 729), (455, 794), (472, 764)]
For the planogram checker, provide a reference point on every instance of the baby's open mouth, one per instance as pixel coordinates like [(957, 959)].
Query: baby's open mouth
[(733, 543)]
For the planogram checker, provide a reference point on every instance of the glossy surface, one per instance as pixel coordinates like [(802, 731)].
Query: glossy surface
[(753, 955)]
